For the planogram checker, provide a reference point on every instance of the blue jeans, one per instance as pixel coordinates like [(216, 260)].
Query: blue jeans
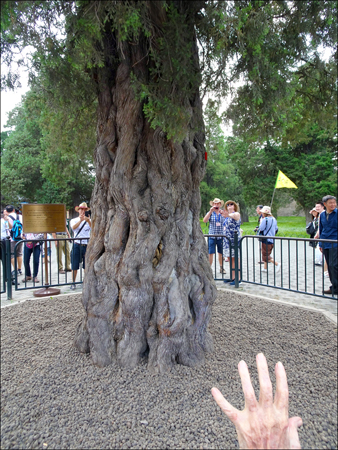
[(27, 253)]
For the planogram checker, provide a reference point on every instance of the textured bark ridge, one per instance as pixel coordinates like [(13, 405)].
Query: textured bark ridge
[(148, 288)]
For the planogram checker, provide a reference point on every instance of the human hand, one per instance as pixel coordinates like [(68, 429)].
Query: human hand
[(263, 424)]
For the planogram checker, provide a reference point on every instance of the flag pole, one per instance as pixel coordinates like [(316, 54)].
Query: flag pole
[(274, 191), (272, 197)]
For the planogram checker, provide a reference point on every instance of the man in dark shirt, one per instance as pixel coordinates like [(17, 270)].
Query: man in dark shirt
[(328, 229)]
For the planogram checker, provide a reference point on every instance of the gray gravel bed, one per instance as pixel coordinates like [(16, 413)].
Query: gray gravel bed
[(53, 397)]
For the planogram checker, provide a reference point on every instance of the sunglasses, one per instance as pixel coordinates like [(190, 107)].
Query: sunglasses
[(231, 204)]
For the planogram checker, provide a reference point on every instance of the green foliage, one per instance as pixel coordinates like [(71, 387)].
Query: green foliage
[(35, 165), (259, 43), (221, 179), (312, 167)]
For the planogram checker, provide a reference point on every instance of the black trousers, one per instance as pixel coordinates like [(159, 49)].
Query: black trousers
[(331, 256)]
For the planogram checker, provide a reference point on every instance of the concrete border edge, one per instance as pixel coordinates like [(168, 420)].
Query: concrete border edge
[(329, 316)]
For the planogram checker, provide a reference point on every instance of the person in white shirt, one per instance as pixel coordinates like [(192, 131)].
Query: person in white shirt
[(81, 227), (11, 215)]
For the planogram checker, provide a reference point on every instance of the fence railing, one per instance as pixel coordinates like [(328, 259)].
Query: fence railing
[(32, 264), (300, 266)]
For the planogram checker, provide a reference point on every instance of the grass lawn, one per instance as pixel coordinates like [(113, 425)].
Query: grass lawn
[(287, 226)]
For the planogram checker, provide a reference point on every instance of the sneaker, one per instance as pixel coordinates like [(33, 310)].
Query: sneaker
[(233, 283), (222, 271), (278, 268), (326, 274), (62, 271), (264, 270), (19, 272), (73, 287), (68, 270), (36, 280)]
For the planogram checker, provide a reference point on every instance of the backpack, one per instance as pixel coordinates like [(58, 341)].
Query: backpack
[(17, 228), (310, 229)]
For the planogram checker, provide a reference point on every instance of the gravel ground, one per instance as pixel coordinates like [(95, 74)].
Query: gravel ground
[(53, 397)]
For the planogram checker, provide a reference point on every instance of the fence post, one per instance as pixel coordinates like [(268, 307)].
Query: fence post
[(8, 269), (236, 260)]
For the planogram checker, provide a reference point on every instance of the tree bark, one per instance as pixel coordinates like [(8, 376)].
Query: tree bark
[(148, 287)]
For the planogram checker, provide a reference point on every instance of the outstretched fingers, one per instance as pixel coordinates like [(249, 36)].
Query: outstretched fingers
[(248, 390), (265, 391), (282, 390), (226, 407)]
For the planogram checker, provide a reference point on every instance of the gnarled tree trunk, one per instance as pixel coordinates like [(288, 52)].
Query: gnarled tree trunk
[(148, 288)]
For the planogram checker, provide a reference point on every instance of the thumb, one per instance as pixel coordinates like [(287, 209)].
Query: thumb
[(294, 424)]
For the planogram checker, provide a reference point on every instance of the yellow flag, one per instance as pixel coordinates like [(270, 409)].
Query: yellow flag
[(284, 182)]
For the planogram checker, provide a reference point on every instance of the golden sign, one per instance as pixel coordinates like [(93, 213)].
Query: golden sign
[(43, 218)]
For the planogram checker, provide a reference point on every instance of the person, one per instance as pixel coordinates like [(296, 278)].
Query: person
[(264, 423), (10, 214), (62, 246), (315, 225), (81, 226), (231, 225), (320, 208), (215, 220), (259, 213), (32, 246), (328, 229), (4, 235), (268, 227)]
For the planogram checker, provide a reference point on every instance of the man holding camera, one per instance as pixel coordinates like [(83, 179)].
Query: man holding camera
[(81, 227), (215, 220)]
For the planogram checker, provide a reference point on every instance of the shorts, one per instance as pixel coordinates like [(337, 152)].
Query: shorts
[(78, 255), (18, 250), (266, 251), (212, 242)]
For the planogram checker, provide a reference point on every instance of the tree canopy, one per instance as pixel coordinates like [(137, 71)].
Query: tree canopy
[(273, 48)]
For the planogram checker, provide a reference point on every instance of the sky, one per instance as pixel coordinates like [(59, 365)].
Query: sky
[(10, 99)]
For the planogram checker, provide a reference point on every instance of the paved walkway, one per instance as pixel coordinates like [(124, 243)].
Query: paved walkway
[(23, 294), (297, 264)]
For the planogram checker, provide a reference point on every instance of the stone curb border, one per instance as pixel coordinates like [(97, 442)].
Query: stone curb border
[(329, 316), (19, 302)]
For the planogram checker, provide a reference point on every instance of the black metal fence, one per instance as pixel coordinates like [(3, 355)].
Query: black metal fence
[(36, 267), (300, 264)]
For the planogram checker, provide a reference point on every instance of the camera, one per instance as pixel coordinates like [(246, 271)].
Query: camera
[(88, 213)]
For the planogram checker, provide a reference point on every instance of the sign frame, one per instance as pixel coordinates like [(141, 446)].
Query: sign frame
[(44, 217)]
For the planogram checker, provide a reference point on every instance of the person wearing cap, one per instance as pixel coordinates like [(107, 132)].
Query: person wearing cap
[(328, 229), (81, 226), (268, 227), (215, 220), (231, 225)]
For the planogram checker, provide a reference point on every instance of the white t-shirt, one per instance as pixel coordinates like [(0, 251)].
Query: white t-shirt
[(4, 228), (84, 233)]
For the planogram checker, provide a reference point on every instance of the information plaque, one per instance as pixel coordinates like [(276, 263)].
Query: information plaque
[(43, 218)]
